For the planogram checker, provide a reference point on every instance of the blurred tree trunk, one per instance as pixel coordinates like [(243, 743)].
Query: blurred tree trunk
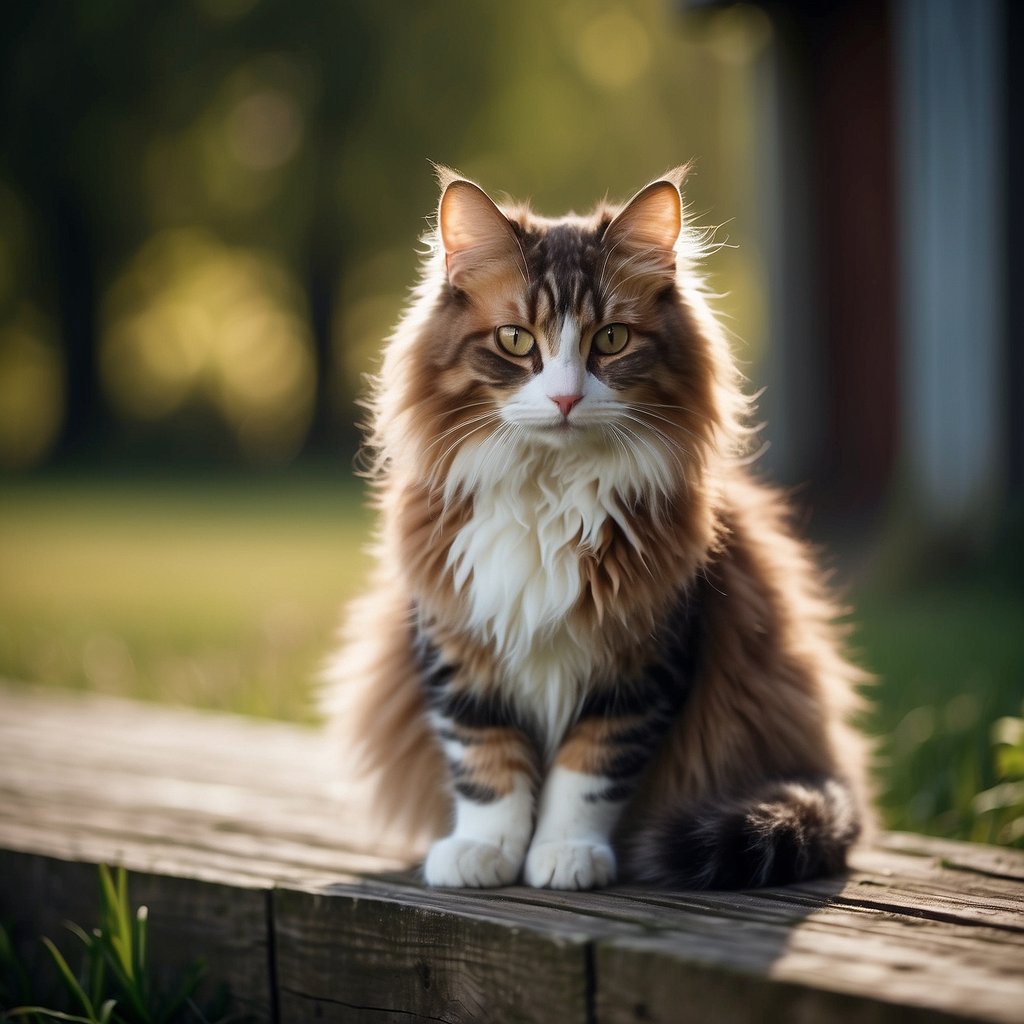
[(48, 85), (322, 270), (1014, 336), (73, 255), (331, 436)]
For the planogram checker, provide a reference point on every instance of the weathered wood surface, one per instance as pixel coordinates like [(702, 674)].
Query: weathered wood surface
[(250, 855)]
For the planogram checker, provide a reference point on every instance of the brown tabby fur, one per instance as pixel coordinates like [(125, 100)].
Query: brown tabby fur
[(772, 694)]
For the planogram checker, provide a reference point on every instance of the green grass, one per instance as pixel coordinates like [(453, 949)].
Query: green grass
[(113, 983), (949, 656), (221, 595), (227, 595)]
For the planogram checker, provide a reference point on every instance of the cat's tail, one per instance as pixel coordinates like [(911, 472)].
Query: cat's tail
[(786, 832)]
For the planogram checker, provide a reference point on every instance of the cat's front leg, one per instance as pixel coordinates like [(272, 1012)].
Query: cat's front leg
[(593, 776), (493, 774)]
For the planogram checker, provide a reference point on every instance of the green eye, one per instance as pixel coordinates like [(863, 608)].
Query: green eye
[(611, 339), (517, 341)]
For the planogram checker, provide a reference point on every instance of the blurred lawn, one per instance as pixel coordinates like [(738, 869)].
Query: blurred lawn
[(226, 594), (949, 656), (214, 594)]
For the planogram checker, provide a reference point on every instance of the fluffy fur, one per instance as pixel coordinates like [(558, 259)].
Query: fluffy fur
[(592, 647)]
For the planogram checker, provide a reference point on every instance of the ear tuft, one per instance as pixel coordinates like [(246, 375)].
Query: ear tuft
[(445, 175), (677, 175)]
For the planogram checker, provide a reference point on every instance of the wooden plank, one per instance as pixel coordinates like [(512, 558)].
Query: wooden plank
[(798, 954), (173, 790), (159, 840), (972, 857), (238, 835), (813, 951), (207, 812), (788, 958), (359, 953), (645, 983), (874, 945), (936, 873), (831, 959)]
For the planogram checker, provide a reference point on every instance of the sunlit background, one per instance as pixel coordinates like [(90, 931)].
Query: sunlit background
[(209, 219), (227, 197)]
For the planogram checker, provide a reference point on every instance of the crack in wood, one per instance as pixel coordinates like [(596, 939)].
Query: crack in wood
[(589, 983), (389, 1010), (275, 995)]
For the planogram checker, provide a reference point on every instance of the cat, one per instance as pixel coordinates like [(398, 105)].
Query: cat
[(592, 649)]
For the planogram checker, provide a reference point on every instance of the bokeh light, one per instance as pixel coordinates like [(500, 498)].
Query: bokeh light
[(613, 49), (192, 319), (31, 392)]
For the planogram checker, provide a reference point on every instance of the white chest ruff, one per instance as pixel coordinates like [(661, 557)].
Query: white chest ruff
[(517, 560)]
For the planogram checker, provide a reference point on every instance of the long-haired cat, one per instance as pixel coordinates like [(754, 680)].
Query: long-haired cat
[(592, 648)]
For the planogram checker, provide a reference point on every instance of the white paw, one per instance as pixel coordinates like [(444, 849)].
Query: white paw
[(457, 861), (570, 864)]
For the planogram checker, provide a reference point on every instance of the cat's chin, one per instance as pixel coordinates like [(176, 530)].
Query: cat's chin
[(559, 435)]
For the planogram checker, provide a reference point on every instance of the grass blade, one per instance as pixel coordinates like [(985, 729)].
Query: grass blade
[(94, 957), (123, 906), (69, 978), (97, 974), (117, 931), (141, 943), (24, 1011), (183, 996), (115, 915)]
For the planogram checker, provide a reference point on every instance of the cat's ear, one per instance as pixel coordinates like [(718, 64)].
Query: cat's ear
[(650, 223), (477, 237)]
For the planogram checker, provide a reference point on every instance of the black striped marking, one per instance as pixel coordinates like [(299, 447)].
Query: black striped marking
[(657, 698)]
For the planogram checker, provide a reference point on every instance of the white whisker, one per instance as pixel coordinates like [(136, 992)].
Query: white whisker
[(673, 423), (461, 425), (658, 433), (461, 439)]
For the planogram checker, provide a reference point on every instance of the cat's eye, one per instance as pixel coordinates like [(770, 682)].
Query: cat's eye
[(517, 341), (611, 339)]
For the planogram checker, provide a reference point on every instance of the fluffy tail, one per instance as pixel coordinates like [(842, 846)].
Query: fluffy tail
[(786, 832)]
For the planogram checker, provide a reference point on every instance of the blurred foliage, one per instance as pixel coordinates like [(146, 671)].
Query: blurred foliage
[(209, 209), (949, 655), (1004, 802)]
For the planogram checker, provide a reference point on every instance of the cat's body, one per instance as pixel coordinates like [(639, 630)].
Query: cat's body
[(590, 635)]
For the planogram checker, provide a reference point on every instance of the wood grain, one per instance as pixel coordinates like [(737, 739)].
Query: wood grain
[(250, 854), (363, 954)]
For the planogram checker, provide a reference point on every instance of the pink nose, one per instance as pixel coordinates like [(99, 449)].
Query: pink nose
[(565, 402)]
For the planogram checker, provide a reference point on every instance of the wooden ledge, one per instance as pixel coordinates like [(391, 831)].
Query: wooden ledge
[(248, 856)]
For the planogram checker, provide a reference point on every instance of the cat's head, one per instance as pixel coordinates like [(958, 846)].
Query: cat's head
[(579, 336)]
